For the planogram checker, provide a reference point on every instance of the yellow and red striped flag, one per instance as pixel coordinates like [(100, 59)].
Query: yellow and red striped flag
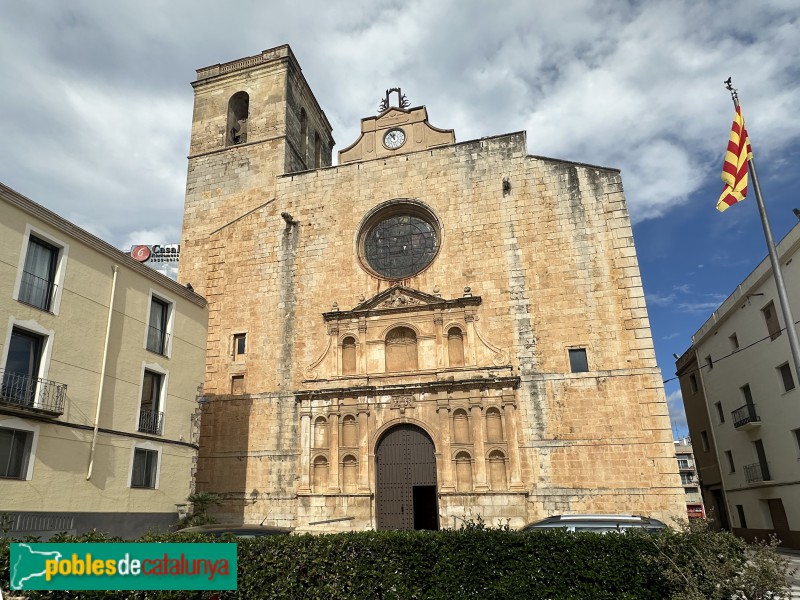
[(734, 171)]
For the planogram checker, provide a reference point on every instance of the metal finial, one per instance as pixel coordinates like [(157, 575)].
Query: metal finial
[(731, 89)]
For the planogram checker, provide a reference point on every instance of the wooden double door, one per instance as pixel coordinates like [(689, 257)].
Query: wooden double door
[(405, 465)]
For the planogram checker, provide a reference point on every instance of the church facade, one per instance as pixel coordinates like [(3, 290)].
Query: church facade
[(426, 332)]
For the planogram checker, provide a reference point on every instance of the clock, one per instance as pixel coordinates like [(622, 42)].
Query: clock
[(394, 138)]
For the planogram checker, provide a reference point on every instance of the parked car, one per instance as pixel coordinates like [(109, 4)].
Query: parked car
[(240, 531), (597, 523)]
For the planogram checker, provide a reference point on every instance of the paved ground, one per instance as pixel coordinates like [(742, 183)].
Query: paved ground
[(794, 563)]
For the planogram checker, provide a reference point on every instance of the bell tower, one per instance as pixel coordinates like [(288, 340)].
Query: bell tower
[(254, 119)]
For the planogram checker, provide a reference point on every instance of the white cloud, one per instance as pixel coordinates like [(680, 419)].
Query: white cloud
[(96, 124)]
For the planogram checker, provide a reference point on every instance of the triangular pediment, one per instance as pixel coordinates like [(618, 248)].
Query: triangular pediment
[(398, 296)]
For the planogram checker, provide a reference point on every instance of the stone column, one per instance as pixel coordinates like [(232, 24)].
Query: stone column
[(447, 482), (510, 430), (476, 416), (333, 451), (305, 453), (363, 448)]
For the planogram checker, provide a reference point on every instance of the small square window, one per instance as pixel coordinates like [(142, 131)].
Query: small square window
[(693, 382), (731, 464), (145, 468), (720, 412), (237, 385), (15, 451), (578, 362), (786, 377), (704, 440), (709, 362), (771, 318), (734, 340), (239, 344)]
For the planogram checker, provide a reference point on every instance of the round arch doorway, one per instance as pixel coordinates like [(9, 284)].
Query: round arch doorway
[(405, 472)]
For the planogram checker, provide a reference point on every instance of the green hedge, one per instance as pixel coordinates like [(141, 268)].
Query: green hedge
[(482, 563)]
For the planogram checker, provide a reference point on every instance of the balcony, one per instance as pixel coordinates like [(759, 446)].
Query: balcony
[(36, 291), (29, 394), (157, 340), (756, 472), (746, 417), (151, 421)]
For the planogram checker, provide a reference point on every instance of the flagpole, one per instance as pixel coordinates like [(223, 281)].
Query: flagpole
[(783, 299)]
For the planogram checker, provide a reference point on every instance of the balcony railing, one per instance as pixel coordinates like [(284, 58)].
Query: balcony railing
[(157, 340), (745, 415), (36, 291), (31, 394), (756, 472), (151, 421)]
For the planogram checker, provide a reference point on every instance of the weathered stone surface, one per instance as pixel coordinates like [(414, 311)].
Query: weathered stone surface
[(545, 247)]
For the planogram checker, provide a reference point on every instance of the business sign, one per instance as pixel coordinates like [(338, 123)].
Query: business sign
[(156, 253), (123, 566), (160, 257)]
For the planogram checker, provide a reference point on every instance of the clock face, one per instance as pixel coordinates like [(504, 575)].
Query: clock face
[(394, 138)]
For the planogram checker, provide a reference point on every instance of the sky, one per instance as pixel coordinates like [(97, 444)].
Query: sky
[(96, 106)]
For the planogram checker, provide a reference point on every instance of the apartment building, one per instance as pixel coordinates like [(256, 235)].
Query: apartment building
[(100, 363), (687, 469), (740, 368)]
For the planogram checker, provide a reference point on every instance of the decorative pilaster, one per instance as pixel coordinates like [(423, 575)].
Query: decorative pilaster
[(363, 448), (447, 483), (333, 451), (470, 356), (510, 429), (362, 345), (305, 453), (476, 416), (438, 321)]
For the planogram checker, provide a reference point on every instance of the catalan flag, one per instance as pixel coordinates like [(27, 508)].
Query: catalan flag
[(734, 171)]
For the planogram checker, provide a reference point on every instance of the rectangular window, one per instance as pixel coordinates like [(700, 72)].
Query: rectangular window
[(693, 383), (578, 362), (786, 376), (704, 440), (239, 344), (150, 415), (748, 395), (37, 286), (21, 374), (237, 385), (683, 463), (796, 433), (742, 520), (771, 318), (731, 464), (762, 460), (709, 362), (734, 340), (145, 467), (687, 478), (15, 451), (720, 413), (157, 327)]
